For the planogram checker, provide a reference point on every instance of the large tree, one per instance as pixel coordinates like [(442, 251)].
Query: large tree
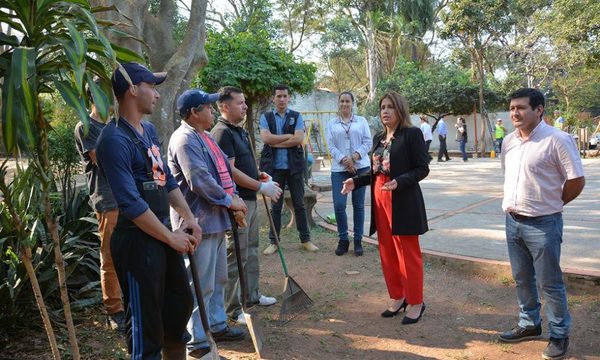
[(256, 64), (478, 25), (148, 28), (437, 90)]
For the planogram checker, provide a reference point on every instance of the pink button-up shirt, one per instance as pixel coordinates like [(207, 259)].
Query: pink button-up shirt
[(536, 169)]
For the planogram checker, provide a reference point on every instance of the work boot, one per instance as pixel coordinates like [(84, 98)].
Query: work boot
[(358, 249), (342, 247), (309, 246), (271, 249)]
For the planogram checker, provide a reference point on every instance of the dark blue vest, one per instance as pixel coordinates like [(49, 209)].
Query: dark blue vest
[(296, 162)]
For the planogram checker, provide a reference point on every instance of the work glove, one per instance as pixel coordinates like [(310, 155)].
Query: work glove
[(270, 189)]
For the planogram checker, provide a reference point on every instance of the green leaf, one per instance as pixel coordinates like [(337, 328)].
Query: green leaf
[(101, 100), (78, 41), (11, 112), (72, 98), (125, 55), (23, 70), (8, 40)]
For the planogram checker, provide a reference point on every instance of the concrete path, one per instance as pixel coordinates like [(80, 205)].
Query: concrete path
[(463, 202)]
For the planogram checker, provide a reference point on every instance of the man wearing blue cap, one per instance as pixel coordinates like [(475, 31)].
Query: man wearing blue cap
[(204, 176), (145, 252)]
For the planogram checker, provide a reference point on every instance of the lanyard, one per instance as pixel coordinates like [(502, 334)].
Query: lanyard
[(347, 129)]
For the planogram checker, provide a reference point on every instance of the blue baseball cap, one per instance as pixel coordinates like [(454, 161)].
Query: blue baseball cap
[(137, 73), (193, 98)]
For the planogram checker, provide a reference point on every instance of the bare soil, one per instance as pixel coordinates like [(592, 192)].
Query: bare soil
[(465, 312)]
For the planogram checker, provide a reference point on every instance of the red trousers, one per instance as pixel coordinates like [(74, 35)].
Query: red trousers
[(401, 258)]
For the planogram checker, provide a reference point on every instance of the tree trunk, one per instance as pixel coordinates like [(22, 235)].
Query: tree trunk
[(39, 299), (181, 61), (372, 68)]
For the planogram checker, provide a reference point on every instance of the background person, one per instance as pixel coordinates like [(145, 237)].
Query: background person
[(442, 129), (427, 135), (499, 134), (542, 173), (204, 177), (461, 137), (235, 143), (349, 140), (282, 157), (107, 212), (398, 212)]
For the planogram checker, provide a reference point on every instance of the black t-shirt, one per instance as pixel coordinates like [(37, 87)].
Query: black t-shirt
[(234, 142)]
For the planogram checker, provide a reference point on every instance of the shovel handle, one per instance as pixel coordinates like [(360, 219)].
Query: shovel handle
[(238, 256), (198, 291), (272, 223)]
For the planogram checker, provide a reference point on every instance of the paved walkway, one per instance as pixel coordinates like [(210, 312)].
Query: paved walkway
[(463, 202)]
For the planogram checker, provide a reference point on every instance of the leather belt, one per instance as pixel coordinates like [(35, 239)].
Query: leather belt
[(519, 217)]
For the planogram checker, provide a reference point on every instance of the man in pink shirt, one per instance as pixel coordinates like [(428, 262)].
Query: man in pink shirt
[(542, 173)]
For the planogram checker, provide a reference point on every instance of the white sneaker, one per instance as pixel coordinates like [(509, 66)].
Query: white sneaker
[(266, 300), (241, 320), (271, 249)]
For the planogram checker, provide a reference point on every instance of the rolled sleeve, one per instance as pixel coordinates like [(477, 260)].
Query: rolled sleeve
[(262, 123), (569, 159)]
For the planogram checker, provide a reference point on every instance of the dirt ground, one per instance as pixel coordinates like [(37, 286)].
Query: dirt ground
[(464, 314)]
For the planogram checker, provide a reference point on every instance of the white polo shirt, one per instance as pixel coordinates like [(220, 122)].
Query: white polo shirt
[(536, 169)]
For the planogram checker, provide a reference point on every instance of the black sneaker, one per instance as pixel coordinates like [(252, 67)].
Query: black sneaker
[(199, 353), (520, 334), (229, 334), (556, 349)]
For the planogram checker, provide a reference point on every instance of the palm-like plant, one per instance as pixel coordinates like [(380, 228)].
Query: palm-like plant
[(52, 46)]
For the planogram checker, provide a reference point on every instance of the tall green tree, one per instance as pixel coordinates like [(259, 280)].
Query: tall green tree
[(253, 62), (57, 46), (478, 25), (437, 90)]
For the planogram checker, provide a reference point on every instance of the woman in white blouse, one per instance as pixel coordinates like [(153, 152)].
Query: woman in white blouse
[(349, 141)]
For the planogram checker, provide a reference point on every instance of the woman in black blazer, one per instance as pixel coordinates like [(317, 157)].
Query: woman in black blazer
[(398, 162)]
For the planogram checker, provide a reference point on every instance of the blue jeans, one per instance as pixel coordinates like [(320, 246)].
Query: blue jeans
[(339, 204), (498, 147), (534, 252), (463, 150)]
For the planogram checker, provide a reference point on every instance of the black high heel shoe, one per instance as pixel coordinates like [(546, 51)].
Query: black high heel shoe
[(388, 314), (407, 320)]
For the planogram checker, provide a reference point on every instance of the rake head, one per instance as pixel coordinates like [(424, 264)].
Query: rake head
[(295, 300)]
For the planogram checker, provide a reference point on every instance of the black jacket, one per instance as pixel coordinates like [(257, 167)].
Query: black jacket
[(408, 165)]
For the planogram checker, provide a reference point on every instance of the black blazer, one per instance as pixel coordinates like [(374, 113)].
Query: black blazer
[(409, 164)]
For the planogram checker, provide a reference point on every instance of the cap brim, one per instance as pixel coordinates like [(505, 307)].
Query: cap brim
[(213, 98), (159, 77)]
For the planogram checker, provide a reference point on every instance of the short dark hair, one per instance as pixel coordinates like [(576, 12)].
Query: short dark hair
[(280, 87), (536, 98), (346, 93), (226, 92)]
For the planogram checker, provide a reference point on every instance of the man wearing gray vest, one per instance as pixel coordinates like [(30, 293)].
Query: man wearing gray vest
[(282, 157)]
